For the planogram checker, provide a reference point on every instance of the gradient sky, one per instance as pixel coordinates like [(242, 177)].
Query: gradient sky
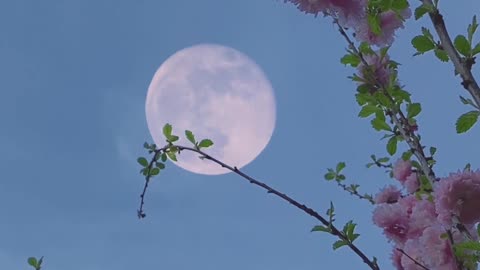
[(74, 76)]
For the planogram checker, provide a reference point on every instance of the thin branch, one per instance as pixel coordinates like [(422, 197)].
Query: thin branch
[(461, 66), (334, 231), (415, 261)]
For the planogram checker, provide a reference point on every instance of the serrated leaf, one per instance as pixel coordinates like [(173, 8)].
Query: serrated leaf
[(441, 55), (350, 59), (427, 33), (462, 45), (320, 228), (142, 161), (466, 121), (190, 136), (154, 171), (172, 156), (379, 124), (33, 262), (205, 143), (339, 244), (392, 146), (422, 44), (167, 130), (340, 166), (368, 110), (413, 109)]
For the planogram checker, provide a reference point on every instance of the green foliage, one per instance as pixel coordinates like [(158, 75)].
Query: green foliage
[(190, 136), (350, 59), (36, 264), (441, 54), (336, 174), (413, 109), (466, 121), (392, 145), (205, 143), (380, 124), (368, 110), (142, 161), (468, 101), (423, 44), (167, 130), (463, 46), (423, 9)]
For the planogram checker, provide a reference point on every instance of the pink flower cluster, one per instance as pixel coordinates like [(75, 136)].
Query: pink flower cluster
[(377, 71), (416, 225), (353, 14)]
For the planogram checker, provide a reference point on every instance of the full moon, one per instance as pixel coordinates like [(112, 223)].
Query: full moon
[(218, 93)]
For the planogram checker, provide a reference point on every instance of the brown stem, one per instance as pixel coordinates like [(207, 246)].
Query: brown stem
[(462, 67), (334, 231)]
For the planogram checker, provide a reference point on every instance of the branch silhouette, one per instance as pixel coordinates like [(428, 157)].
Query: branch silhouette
[(333, 230)]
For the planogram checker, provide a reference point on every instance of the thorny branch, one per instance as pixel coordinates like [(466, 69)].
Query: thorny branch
[(334, 231)]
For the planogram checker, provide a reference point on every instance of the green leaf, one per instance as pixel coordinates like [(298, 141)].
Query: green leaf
[(164, 157), (441, 54), (379, 124), (350, 59), (422, 10), (470, 245), (466, 121), (167, 130), (146, 145), (340, 166), (383, 159), (33, 262), (329, 176), (427, 33), (462, 45), (476, 49), (339, 244), (172, 156), (472, 28), (142, 161), (368, 110), (160, 165), (172, 138), (422, 44), (320, 228), (413, 109), (433, 150), (205, 143), (154, 171), (392, 146), (190, 136), (399, 5)]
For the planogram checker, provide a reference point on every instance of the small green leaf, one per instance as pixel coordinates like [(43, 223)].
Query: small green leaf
[(339, 244), (374, 23), (160, 165), (383, 159), (146, 145), (462, 45), (368, 110), (142, 161), (164, 157), (167, 130), (476, 49), (190, 136), (379, 124), (350, 59), (172, 138), (470, 245), (427, 33), (422, 10), (320, 228), (172, 156), (441, 55), (413, 109), (33, 262), (154, 171), (433, 150), (205, 143), (472, 28), (329, 176), (340, 166), (466, 121), (422, 44), (392, 146)]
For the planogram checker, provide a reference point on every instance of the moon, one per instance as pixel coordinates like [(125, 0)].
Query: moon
[(218, 93)]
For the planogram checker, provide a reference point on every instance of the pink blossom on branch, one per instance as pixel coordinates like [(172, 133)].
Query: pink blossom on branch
[(402, 169), (378, 69), (389, 194), (458, 195)]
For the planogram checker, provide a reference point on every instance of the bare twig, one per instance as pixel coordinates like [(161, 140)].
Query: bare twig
[(334, 231)]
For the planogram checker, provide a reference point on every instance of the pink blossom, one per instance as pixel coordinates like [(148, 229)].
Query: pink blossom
[(402, 169), (347, 11), (422, 216), (436, 250), (377, 69), (393, 218), (411, 183), (458, 195), (389, 23), (388, 194), (414, 251)]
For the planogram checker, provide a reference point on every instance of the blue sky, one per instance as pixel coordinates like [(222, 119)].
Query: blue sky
[(73, 86)]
